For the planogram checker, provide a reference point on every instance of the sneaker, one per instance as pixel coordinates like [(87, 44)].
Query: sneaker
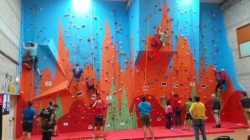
[(216, 126), (183, 128)]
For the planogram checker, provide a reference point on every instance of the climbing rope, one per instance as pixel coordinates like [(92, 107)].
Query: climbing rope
[(147, 41)]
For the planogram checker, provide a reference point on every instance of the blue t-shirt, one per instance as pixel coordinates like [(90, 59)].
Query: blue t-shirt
[(32, 50), (144, 108), (28, 114), (77, 72)]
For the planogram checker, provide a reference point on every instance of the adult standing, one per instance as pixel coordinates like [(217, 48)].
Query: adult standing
[(55, 130), (216, 108), (46, 119), (245, 101), (99, 109), (29, 115), (144, 109), (188, 116), (177, 109), (197, 111)]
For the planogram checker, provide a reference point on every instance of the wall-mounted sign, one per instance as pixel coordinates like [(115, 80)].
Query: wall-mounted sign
[(48, 83), (11, 89), (192, 84)]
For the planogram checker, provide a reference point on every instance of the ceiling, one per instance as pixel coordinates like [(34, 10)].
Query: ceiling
[(213, 1), (205, 1)]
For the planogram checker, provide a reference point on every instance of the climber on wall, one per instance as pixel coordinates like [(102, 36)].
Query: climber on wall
[(221, 78), (157, 41), (77, 73), (32, 48), (90, 83)]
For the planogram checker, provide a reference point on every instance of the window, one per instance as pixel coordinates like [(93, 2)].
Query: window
[(243, 37)]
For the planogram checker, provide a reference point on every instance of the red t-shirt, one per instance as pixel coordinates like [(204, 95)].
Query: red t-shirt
[(176, 102), (99, 109), (89, 82), (223, 75), (1, 99)]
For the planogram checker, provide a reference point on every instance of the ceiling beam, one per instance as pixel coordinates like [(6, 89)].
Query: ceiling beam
[(129, 3)]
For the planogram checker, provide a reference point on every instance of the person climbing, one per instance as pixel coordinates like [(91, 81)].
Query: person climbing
[(158, 41), (32, 48), (90, 83), (77, 73), (221, 78)]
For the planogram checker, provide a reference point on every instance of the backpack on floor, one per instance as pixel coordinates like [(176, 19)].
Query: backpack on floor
[(223, 138)]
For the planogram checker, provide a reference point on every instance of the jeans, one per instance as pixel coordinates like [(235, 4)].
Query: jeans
[(199, 124), (47, 135), (178, 116), (169, 116)]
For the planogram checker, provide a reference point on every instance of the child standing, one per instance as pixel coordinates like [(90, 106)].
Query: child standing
[(168, 111)]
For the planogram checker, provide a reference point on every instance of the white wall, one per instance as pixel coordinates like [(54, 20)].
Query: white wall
[(236, 14), (10, 26), (10, 23)]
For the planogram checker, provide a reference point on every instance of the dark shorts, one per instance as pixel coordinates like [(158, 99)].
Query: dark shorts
[(99, 120), (33, 60), (188, 116), (27, 127), (145, 119)]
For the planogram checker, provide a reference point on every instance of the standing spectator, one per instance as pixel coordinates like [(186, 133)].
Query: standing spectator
[(216, 107), (197, 111), (99, 109), (177, 109), (29, 115), (144, 109), (32, 48), (221, 79), (188, 116), (54, 132), (77, 73), (46, 118), (245, 101), (168, 112), (51, 103)]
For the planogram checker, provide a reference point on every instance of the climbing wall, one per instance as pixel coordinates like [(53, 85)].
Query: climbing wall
[(113, 46)]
